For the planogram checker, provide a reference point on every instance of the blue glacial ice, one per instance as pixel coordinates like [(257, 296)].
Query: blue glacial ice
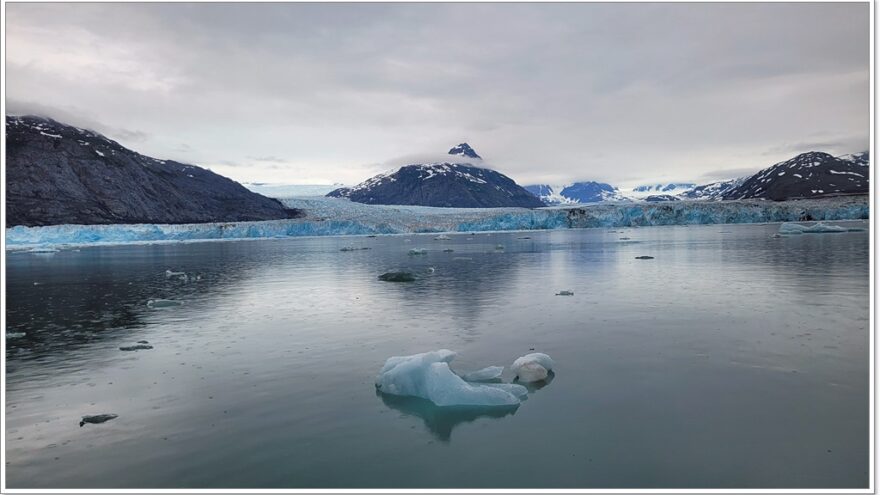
[(335, 216), (790, 228), (428, 376)]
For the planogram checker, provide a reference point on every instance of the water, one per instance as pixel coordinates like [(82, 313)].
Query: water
[(732, 359)]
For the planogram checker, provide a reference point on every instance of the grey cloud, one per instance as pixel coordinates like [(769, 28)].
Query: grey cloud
[(544, 92)]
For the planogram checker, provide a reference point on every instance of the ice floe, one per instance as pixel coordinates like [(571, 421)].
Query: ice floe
[(428, 376)]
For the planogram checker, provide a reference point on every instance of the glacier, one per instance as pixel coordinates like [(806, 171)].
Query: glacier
[(337, 216)]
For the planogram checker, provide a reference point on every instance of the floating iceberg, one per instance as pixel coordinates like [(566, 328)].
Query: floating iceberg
[(397, 277), (816, 228), (532, 367), (484, 375), (565, 293), (162, 303), (97, 419), (427, 375), (418, 251)]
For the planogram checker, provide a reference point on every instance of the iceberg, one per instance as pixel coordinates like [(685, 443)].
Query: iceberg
[(484, 375), (162, 303), (336, 216), (428, 376), (816, 228), (532, 367)]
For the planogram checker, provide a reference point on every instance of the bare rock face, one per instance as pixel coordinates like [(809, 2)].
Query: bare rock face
[(59, 174)]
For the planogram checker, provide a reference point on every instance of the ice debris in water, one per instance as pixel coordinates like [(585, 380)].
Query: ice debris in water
[(644, 257), (397, 277), (790, 228), (352, 248), (43, 250), (565, 293), (97, 419), (499, 247), (442, 237), (532, 367), (169, 274), (136, 347), (484, 375), (416, 251), (427, 375), (15, 335), (162, 303)]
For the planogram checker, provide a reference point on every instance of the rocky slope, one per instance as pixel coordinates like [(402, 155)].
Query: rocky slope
[(808, 175), (59, 174)]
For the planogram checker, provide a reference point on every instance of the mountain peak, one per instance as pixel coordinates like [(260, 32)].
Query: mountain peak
[(464, 149)]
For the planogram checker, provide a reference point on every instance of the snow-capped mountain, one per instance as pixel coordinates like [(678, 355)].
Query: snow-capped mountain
[(464, 150), (808, 175), (576, 193), (656, 198), (445, 184), (671, 188), (59, 174), (713, 191)]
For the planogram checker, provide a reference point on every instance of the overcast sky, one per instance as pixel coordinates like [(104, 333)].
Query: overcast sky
[(546, 93)]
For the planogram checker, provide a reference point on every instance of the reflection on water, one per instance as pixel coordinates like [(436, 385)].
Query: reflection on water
[(440, 421), (731, 359)]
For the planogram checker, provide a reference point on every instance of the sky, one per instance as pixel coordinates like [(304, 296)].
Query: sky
[(547, 93)]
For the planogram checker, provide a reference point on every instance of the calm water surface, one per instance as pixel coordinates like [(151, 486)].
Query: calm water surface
[(732, 359)]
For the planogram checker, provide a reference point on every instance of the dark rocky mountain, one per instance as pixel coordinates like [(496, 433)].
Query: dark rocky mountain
[(458, 185), (464, 150), (808, 175), (59, 174), (577, 193), (655, 198)]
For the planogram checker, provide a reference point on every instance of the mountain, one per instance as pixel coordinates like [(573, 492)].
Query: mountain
[(464, 150), (656, 198), (458, 185), (576, 193), (808, 175), (59, 174), (714, 191), (640, 192)]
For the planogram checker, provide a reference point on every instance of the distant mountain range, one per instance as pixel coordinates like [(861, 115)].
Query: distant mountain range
[(578, 192), (59, 174), (808, 175), (459, 184)]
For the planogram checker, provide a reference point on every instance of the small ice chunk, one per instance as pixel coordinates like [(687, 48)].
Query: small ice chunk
[(417, 251), (427, 375), (352, 248), (532, 367), (448, 250), (43, 250), (97, 419), (15, 335), (163, 303), (397, 277), (644, 257), (789, 228), (442, 237), (136, 347), (485, 374), (499, 247), (820, 227), (180, 275), (565, 293)]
